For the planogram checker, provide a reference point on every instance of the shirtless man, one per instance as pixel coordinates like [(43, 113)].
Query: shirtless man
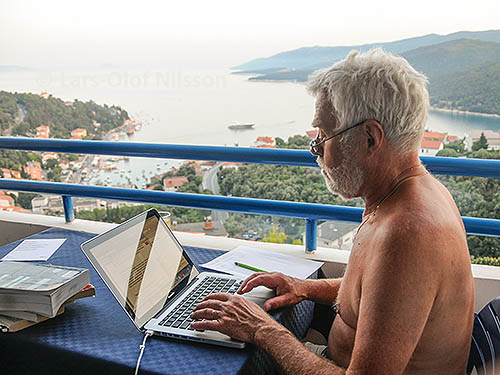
[(405, 303)]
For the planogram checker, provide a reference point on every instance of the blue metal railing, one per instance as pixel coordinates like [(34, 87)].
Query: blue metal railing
[(309, 211)]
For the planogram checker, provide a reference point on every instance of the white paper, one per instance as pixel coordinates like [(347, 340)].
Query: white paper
[(262, 259), (41, 249)]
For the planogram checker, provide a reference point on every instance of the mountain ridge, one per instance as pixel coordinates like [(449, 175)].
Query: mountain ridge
[(316, 57)]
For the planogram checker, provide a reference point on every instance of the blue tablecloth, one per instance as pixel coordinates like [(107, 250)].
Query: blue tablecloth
[(95, 336)]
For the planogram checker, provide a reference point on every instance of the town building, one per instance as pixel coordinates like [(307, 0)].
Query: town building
[(312, 134), (6, 200), (430, 148), (34, 170), (265, 142), (44, 95), (42, 131), (10, 173), (336, 234), (231, 164), (78, 133), (49, 155), (52, 204), (436, 136), (207, 227), (493, 139), (173, 183)]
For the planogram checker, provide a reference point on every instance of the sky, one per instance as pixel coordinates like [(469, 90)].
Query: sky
[(214, 34)]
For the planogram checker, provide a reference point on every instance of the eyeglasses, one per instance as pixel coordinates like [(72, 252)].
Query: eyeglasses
[(317, 144)]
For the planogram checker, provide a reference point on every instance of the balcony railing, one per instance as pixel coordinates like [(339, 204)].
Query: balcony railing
[(311, 212)]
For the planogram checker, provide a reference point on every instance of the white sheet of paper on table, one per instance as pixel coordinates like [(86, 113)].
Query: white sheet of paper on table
[(39, 249), (262, 259)]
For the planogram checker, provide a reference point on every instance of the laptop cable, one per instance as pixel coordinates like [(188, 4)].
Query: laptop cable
[(142, 347)]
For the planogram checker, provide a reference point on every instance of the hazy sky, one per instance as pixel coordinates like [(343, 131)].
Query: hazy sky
[(215, 33)]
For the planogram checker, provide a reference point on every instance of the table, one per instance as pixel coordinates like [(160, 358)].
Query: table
[(95, 336)]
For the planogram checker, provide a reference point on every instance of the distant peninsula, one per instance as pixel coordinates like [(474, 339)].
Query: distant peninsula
[(22, 113), (463, 68)]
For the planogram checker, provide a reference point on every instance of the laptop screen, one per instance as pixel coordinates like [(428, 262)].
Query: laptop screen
[(142, 263)]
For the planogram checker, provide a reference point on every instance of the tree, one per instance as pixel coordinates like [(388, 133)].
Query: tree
[(276, 236), (24, 199), (448, 152), (51, 164), (482, 143)]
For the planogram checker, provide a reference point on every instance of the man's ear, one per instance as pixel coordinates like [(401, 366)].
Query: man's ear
[(374, 136)]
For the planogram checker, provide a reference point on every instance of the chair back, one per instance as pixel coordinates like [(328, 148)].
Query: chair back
[(485, 346)]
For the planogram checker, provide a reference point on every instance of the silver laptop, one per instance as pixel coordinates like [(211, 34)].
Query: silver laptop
[(155, 281)]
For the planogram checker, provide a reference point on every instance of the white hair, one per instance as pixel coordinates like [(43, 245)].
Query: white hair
[(376, 85)]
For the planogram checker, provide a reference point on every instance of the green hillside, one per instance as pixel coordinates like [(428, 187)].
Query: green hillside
[(476, 89), (463, 73), (457, 55), (22, 113)]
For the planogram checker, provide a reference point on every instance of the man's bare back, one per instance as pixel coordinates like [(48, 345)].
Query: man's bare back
[(429, 240)]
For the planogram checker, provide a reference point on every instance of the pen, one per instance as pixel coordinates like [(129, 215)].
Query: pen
[(248, 267)]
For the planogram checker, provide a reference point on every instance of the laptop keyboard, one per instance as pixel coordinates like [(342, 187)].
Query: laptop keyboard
[(179, 316)]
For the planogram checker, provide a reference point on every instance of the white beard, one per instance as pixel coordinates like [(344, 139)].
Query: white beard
[(344, 180)]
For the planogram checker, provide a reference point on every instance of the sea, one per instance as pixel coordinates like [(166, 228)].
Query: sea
[(179, 106)]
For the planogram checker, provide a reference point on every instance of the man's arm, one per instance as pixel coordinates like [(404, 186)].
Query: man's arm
[(246, 321), (291, 355), (290, 291)]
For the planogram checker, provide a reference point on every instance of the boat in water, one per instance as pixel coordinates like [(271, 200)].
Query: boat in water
[(240, 125)]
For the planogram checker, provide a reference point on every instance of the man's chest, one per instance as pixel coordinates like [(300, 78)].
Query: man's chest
[(349, 294)]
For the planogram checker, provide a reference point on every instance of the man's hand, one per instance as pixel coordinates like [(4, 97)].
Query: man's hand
[(232, 315), (289, 290)]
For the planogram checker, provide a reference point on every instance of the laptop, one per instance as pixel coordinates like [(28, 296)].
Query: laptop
[(155, 281)]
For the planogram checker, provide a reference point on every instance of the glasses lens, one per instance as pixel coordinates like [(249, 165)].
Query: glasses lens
[(315, 146)]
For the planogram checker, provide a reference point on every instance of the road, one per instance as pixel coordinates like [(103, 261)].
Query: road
[(210, 183)]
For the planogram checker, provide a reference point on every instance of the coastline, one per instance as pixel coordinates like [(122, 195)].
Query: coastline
[(460, 112)]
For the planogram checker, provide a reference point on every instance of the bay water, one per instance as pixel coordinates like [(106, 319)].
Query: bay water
[(197, 106)]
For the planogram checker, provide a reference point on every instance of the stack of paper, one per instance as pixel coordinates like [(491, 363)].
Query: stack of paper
[(264, 260)]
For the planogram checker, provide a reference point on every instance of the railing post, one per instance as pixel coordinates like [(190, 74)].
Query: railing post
[(69, 212), (311, 234)]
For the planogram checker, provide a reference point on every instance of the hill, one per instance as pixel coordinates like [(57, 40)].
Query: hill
[(463, 72), (449, 57), (475, 89), (22, 113), (312, 58)]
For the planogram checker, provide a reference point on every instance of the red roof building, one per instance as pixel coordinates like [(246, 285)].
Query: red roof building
[(43, 131), (6, 201), (435, 136), (430, 148), (173, 183), (34, 170), (14, 209), (10, 173), (312, 134), (78, 133), (49, 155)]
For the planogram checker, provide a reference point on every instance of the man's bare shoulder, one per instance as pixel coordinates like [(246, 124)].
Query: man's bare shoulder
[(421, 228)]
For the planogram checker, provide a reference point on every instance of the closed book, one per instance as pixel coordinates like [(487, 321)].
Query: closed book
[(38, 288), (14, 324)]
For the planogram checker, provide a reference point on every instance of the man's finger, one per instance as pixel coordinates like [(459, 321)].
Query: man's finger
[(210, 325), (265, 279), (275, 302), (205, 313), (218, 297), (252, 276), (211, 304)]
